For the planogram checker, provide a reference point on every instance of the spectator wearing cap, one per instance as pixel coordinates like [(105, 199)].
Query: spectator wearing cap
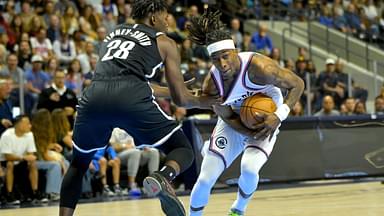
[(327, 82), (37, 79)]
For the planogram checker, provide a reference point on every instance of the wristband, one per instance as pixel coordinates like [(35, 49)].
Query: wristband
[(282, 112)]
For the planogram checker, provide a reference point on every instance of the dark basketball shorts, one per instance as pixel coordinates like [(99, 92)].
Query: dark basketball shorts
[(126, 102)]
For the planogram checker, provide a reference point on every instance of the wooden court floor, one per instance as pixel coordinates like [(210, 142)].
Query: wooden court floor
[(348, 199)]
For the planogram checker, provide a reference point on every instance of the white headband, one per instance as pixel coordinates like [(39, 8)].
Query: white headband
[(220, 45)]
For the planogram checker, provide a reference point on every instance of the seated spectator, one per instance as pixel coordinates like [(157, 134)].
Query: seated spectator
[(360, 108), (328, 107), (17, 148), (132, 158), (58, 96), (275, 55), (379, 105), (326, 17), (350, 104), (297, 110), (37, 79), (103, 159), (262, 41), (6, 116), (41, 45), (48, 153), (85, 58), (62, 130), (64, 49), (24, 55), (74, 77)]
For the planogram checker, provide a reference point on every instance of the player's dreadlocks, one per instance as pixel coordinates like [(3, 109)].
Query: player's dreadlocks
[(207, 28), (141, 8)]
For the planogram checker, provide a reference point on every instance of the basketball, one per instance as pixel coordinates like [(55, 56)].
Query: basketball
[(260, 103)]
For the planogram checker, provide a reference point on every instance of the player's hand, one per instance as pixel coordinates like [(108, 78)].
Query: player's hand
[(267, 126)]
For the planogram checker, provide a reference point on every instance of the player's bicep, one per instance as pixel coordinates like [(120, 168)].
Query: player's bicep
[(266, 71)]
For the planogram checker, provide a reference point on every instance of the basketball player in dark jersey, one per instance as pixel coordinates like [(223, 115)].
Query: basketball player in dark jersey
[(121, 96)]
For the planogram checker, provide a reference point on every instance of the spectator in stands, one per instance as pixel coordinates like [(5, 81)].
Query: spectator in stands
[(73, 78), (132, 158), (350, 104), (302, 53), (101, 33), (354, 21), (360, 108), (37, 79), (84, 58), (262, 41), (379, 105), (3, 55), (62, 130), (237, 36), (54, 31), (26, 15), (64, 49), (107, 7), (109, 21), (186, 51), (327, 82), (49, 12), (103, 159), (247, 45), (16, 27), (36, 24), (41, 45), (275, 55), (69, 20), (90, 16), (24, 55), (326, 17), (339, 20), (17, 148), (289, 64), (6, 116), (173, 31), (297, 110), (328, 107), (48, 153), (51, 67), (58, 96)]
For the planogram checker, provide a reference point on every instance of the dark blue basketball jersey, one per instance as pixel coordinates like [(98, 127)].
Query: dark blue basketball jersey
[(129, 49)]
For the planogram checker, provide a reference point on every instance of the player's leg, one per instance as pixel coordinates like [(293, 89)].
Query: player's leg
[(211, 168), (88, 137), (253, 159), (179, 158)]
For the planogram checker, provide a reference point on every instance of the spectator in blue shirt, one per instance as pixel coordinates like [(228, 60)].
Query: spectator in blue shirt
[(103, 159), (6, 116), (261, 41), (326, 18)]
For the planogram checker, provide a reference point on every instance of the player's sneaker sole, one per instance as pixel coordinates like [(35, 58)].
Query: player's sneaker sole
[(170, 204)]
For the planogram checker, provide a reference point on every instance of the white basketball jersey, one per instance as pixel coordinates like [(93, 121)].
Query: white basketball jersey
[(242, 87)]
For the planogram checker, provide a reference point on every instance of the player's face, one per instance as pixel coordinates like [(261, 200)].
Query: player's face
[(226, 61), (160, 21)]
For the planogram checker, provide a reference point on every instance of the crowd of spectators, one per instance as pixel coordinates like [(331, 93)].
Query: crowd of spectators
[(48, 54)]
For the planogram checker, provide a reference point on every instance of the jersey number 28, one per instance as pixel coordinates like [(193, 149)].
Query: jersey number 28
[(121, 53)]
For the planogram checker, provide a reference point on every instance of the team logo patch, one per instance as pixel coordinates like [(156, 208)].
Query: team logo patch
[(221, 142)]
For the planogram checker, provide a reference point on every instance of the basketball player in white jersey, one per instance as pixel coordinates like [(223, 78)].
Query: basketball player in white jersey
[(236, 76)]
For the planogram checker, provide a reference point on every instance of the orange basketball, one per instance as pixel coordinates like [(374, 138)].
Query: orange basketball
[(260, 103)]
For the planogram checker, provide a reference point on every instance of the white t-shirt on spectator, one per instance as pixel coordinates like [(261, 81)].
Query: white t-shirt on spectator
[(41, 48), (120, 136), (12, 144)]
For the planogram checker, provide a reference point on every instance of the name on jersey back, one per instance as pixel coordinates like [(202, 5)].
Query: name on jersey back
[(140, 36)]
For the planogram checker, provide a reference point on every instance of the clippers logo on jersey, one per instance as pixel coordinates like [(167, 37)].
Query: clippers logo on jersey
[(221, 142)]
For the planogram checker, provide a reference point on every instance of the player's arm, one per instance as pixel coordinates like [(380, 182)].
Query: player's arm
[(178, 91), (265, 71)]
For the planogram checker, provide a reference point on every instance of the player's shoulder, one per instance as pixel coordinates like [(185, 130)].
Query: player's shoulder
[(163, 38)]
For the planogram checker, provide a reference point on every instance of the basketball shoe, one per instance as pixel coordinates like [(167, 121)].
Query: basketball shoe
[(235, 212), (156, 185)]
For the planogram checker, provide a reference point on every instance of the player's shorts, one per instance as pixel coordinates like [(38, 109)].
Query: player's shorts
[(226, 143), (126, 102)]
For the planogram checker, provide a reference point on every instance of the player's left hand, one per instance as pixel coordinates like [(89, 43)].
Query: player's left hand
[(267, 126)]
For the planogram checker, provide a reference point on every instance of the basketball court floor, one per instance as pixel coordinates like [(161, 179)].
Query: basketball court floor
[(336, 199)]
